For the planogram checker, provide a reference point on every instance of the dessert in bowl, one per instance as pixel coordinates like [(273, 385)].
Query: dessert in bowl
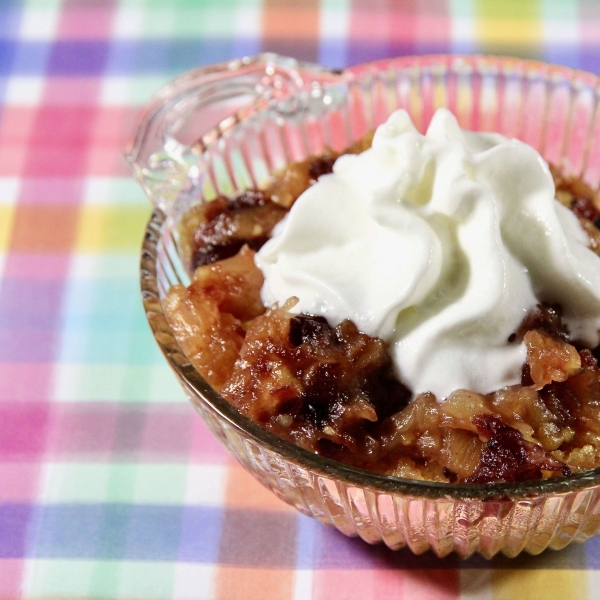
[(434, 478)]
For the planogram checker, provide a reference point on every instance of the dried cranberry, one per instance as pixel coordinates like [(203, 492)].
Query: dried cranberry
[(585, 209), (508, 456), (321, 166)]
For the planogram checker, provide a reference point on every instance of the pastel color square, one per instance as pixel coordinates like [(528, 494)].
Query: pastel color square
[(28, 301), (12, 157), (43, 228), (128, 22), (71, 91), (24, 382), (204, 446), (560, 583), (39, 23), (9, 190), (17, 122), (85, 382), (129, 429), (10, 16), (11, 576), (94, 346), (38, 268), (113, 128), (69, 531), (60, 151), (125, 91), (58, 578), (244, 492), (153, 532), (14, 522), (159, 484), (81, 430), (258, 538), (111, 228), (194, 581), (75, 482), (24, 90), (51, 190), (240, 583), (169, 431), (29, 343), (83, 22), (205, 485), (93, 266), (82, 58), (19, 482), (109, 531), (113, 190), (200, 534), (106, 161), (7, 217), (146, 580), (24, 429)]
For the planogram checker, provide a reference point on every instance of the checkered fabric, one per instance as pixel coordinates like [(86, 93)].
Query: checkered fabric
[(110, 485)]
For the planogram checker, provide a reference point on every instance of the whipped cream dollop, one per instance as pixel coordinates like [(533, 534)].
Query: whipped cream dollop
[(440, 244)]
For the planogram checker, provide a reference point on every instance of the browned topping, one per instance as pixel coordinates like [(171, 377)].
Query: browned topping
[(332, 390), (319, 167), (230, 224), (507, 456), (207, 316), (309, 382), (549, 358), (584, 208), (546, 318)]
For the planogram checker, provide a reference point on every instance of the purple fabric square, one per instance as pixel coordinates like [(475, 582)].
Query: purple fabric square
[(83, 58), (14, 521)]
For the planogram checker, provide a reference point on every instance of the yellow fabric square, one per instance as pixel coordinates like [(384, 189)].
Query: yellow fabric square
[(111, 228), (7, 218), (540, 584)]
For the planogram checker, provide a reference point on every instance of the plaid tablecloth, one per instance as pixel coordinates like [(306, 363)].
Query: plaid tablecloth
[(110, 486)]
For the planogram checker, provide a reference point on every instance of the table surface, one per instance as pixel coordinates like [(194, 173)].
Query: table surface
[(110, 486)]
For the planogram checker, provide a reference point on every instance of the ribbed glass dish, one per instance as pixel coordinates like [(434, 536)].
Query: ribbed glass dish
[(224, 128)]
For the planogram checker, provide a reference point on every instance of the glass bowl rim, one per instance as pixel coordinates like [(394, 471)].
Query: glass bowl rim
[(353, 476)]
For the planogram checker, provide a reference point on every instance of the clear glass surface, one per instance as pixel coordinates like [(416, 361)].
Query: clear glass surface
[(224, 128)]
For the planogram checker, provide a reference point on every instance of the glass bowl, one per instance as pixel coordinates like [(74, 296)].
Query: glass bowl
[(227, 127)]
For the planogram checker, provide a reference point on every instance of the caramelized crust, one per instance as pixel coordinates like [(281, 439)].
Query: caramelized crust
[(332, 390), (313, 383), (207, 316)]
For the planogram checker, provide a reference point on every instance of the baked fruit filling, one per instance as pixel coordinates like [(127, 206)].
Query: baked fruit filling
[(333, 391)]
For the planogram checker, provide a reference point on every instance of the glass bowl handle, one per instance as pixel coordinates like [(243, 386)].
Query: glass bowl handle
[(178, 123)]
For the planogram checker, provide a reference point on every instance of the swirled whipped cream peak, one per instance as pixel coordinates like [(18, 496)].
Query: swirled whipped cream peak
[(440, 244)]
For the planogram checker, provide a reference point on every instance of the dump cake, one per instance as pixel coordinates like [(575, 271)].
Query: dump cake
[(429, 310)]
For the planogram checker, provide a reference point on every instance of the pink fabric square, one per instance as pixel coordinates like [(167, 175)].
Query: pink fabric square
[(72, 91), (86, 21), (105, 161), (11, 578), (25, 381), (205, 448), (44, 267), (391, 584), (19, 482), (60, 151), (52, 190), (12, 158), (23, 431)]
